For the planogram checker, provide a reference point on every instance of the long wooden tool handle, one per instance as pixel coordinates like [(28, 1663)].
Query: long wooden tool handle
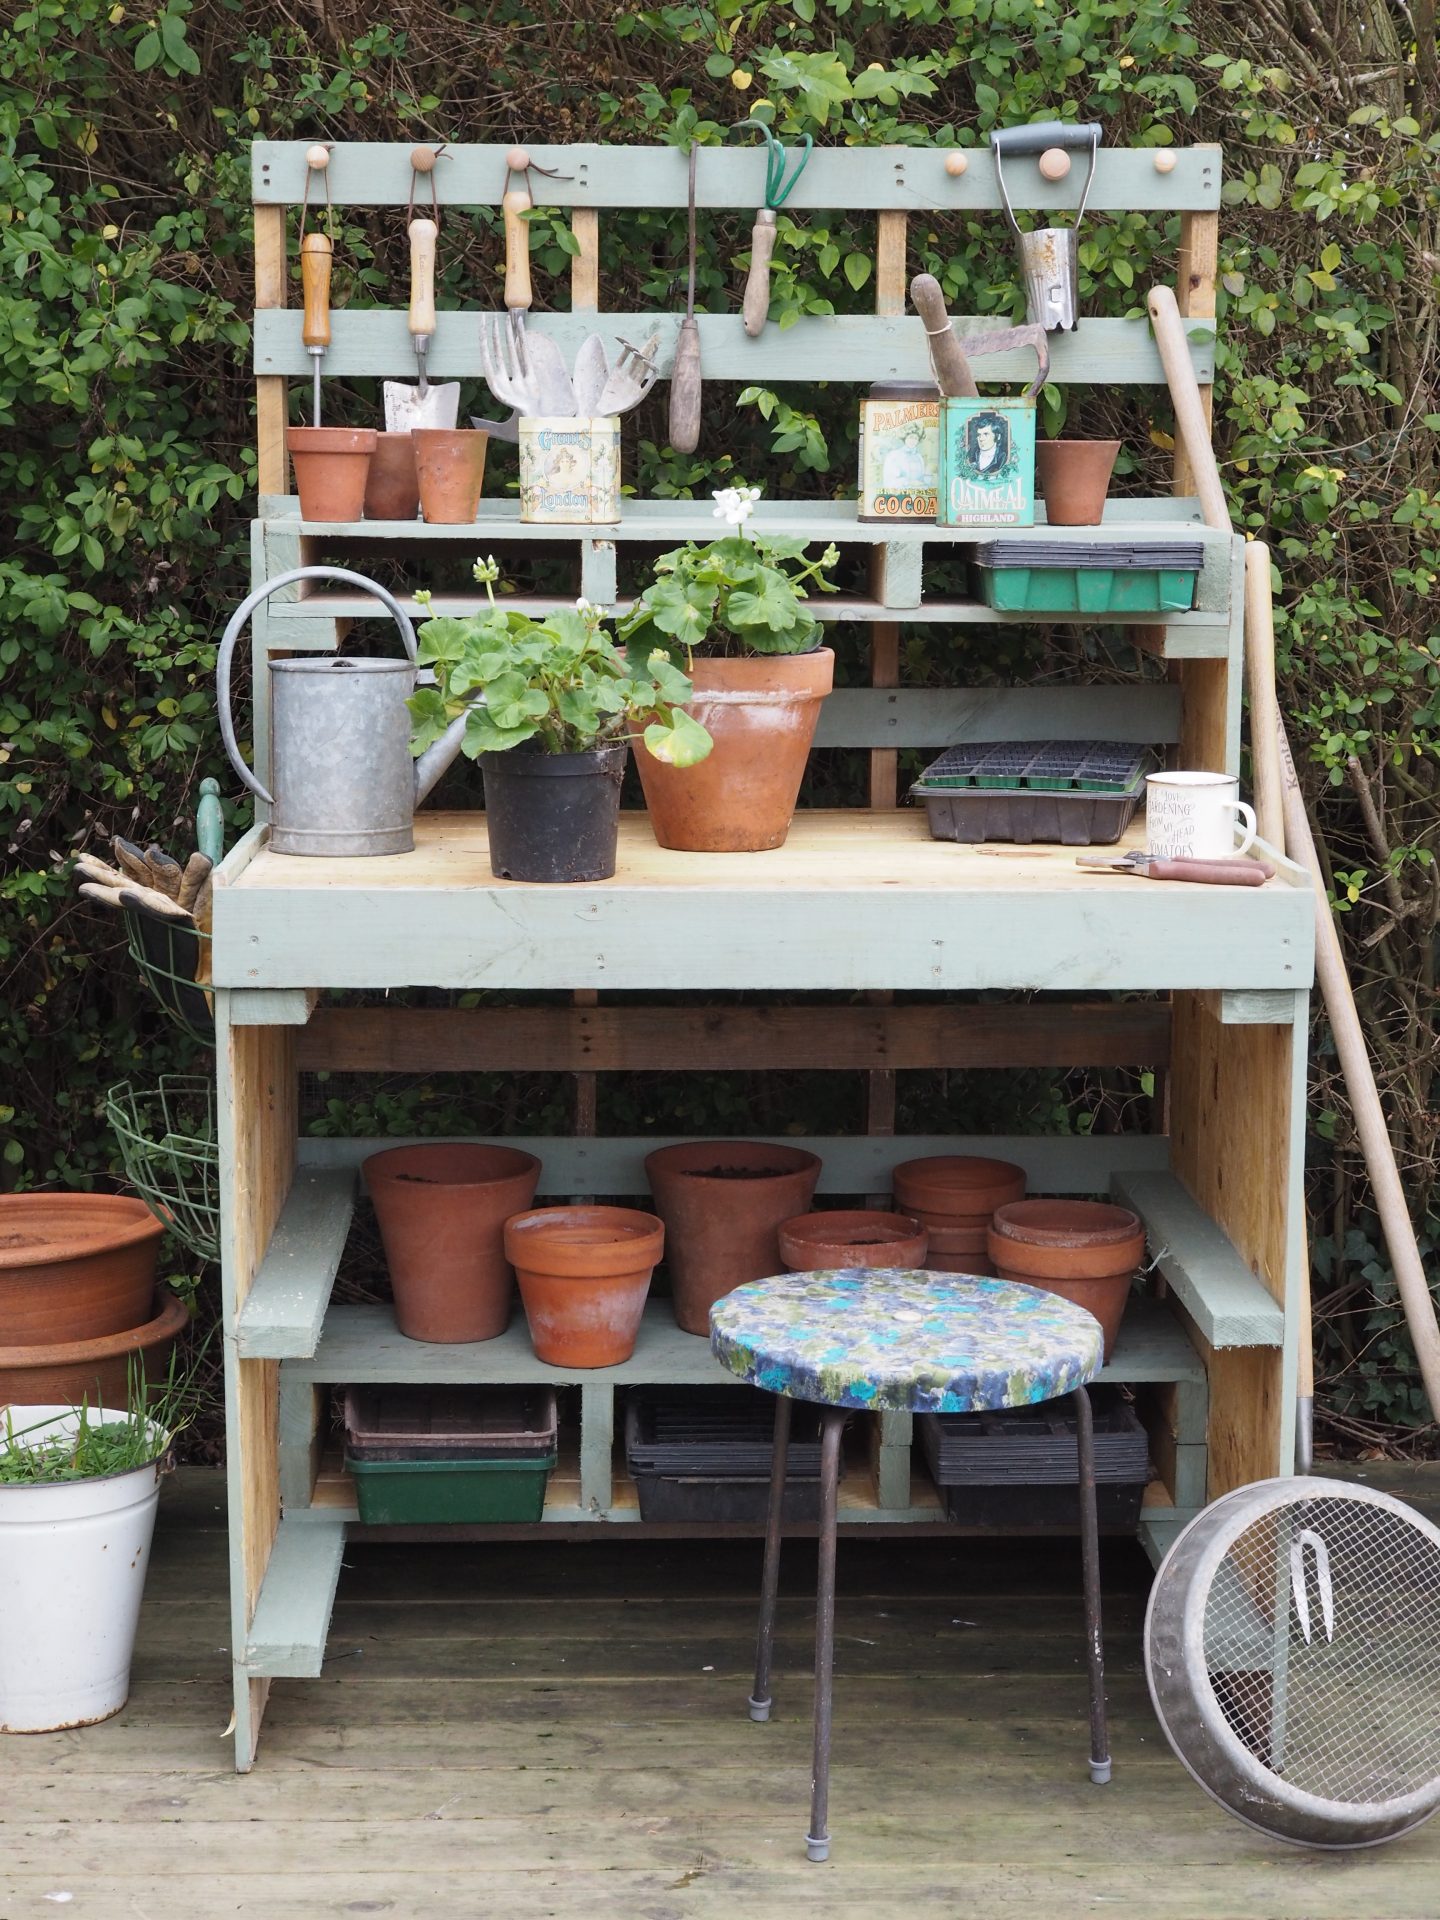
[(316, 253), (1193, 427), (1264, 706), (757, 286), (947, 356), (685, 389), (423, 234), (514, 206)]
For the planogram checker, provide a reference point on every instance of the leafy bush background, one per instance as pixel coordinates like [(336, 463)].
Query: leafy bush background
[(127, 467)]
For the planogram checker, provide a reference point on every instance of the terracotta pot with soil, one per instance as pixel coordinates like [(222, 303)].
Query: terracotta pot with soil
[(74, 1266), (69, 1371), (722, 1202), (392, 487), (331, 465), (1074, 477), (956, 1189), (812, 1242), (761, 713), (1084, 1250), (450, 464), (584, 1273), (442, 1210)]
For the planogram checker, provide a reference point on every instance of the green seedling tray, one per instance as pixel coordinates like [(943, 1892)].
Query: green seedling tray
[(403, 1493), (1087, 589)]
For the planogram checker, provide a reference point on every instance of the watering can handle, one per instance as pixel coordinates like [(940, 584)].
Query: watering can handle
[(236, 627), (1046, 133)]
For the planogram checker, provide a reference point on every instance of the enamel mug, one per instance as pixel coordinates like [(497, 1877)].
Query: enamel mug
[(1191, 816)]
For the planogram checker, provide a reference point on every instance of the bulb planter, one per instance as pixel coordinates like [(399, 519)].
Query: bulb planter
[(442, 1210), (74, 1266), (332, 466), (863, 1237), (584, 1273), (1084, 1250), (1074, 477), (553, 817)]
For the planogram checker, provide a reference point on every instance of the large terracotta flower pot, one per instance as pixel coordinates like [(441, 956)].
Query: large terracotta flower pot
[(762, 716), (74, 1266), (442, 1210), (1074, 477), (584, 1273), (722, 1202), (1084, 1250), (961, 1186), (865, 1237), (331, 466), (95, 1370), (392, 486), (450, 463)]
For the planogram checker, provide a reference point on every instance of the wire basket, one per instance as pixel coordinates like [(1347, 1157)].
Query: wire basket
[(174, 962), (167, 1142)]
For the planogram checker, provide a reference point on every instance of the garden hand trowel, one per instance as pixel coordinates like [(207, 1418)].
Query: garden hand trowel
[(422, 405)]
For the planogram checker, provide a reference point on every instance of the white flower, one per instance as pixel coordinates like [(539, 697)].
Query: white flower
[(734, 505), (584, 606)]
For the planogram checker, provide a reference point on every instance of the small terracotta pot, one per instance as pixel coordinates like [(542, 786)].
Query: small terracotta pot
[(1083, 1250), (811, 1242), (584, 1273), (392, 487), (722, 1202), (442, 1211), (70, 1371), (960, 1186), (1075, 478), (74, 1266), (762, 716), (331, 465), (450, 464)]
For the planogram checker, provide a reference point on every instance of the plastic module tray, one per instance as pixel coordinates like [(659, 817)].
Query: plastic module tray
[(1080, 793)]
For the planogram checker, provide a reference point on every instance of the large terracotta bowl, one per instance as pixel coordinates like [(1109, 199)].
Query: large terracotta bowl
[(74, 1266)]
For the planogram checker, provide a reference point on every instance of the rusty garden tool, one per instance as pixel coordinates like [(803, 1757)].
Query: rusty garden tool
[(1213, 873), (685, 372), (422, 405), (1048, 256), (947, 357)]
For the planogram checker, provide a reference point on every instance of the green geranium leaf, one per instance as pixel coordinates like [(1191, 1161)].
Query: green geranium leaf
[(430, 716), (681, 744), (484, 735)]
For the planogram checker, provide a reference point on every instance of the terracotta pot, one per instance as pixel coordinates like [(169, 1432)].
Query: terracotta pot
[(979, 1264), (865, 1237), (1106, 1298), (1074, 477), (392, 487), (741, 797), (945, 1235), (1083, 1250), (95, 1370), (331, 465), (74, 1266), (960, 1186), (584, 1273), (442, 1211), (722, 1202), (450, 464)]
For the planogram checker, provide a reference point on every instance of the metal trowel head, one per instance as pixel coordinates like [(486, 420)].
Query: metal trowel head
[(434, 405)]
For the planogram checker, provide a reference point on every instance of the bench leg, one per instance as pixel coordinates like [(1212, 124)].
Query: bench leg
[(770, 1581), (1090, 1554), (817, 1841)]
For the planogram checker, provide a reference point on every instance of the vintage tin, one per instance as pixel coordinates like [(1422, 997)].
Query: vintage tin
[(987, 463), (899, 451), (570, 469)]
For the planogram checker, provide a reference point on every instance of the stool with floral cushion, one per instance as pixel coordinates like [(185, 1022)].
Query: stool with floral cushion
[(889, 1340)]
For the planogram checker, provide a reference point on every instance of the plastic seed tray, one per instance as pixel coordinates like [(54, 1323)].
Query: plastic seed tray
[(706, 1456), (1082, 793), (1038, 576), (1018, 1467), (450, 1455)]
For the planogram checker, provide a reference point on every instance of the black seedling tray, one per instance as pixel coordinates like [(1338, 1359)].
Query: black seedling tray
[(1017, 1468), (717, 1430), (450, 1423), (1082, 793)]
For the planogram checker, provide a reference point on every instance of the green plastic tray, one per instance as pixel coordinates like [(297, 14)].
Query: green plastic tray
[(402, 1493), (1087, 590)]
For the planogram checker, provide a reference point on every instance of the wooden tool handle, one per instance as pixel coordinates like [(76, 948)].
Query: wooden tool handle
[(1214, 873), (316, 252), (757, 286), (423, 234), (514, 206), (685, 389), (947, 356), (1190, 420)]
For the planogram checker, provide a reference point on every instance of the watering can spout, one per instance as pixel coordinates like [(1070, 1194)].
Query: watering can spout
[(438, 759)]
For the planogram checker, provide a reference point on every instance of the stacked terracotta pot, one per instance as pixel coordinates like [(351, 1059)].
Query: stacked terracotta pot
[(78, 1298), (723, 1202), (953, 1196), (1084, 1250), (858, 1237)]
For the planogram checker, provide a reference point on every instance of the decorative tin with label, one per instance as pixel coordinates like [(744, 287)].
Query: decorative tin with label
[(899, 451), (987, 463), (570, 469)]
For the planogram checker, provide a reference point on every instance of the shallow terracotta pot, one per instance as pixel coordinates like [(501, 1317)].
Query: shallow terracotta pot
[(584, 1273), (392, 486), (450, 465), (1084, 1250), (864, 1237), (1074, 477), (442, 1210), (69, 1371), (331, 465), (74, 1266), (959, 1186), (741, 798), (722, 1202)]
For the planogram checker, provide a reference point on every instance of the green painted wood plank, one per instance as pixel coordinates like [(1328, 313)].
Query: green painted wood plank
[(944, 716), (597, 1445), (370, 174), (1228, 1304), (848, 347), (1191, 1468), (1160, 1527), (1238, 1008), (297, 1423), (892, 1466), (291, 1007), (292, 1615), (284, 1309)]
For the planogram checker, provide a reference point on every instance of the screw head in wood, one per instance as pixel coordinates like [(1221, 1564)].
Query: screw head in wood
[(1054, 163), (955, 164), (317, 157), (517, 159), (1164, 160), (423, 159)]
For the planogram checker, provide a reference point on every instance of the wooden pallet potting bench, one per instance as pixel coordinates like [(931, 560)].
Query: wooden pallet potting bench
[(1206, 986)]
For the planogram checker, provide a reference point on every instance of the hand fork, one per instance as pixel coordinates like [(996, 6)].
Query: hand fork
[(507, 368)]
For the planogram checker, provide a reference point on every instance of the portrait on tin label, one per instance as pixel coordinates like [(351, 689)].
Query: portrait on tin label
[(989, 452)]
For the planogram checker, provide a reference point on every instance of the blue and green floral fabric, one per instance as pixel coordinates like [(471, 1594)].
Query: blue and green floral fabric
[(901, 1341)]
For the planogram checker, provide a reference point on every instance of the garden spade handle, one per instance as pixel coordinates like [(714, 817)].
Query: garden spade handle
[(317, 251), (423, 234)]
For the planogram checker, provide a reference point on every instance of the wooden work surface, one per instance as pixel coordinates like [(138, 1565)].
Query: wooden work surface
[(853, 899)]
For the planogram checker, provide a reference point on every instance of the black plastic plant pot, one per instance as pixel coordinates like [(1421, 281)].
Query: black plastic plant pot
[(553, 816)]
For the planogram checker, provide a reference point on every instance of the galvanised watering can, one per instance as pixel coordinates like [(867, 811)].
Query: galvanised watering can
[(345, 782)]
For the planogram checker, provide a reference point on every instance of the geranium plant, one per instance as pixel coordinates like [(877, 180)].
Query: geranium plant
[(741, 594), (560, 682)]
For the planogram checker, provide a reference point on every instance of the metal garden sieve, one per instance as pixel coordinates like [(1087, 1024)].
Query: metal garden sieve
[(1292, 1646)]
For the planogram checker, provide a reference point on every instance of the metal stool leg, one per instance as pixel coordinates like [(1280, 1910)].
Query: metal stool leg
[(1090, 1554), (817, 1841), (770, 1580)]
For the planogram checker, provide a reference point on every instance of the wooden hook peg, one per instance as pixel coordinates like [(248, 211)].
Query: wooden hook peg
[(1164, 160), (517, 159), (317, 157), (955, 164), (1054, 163), (422, 159)]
